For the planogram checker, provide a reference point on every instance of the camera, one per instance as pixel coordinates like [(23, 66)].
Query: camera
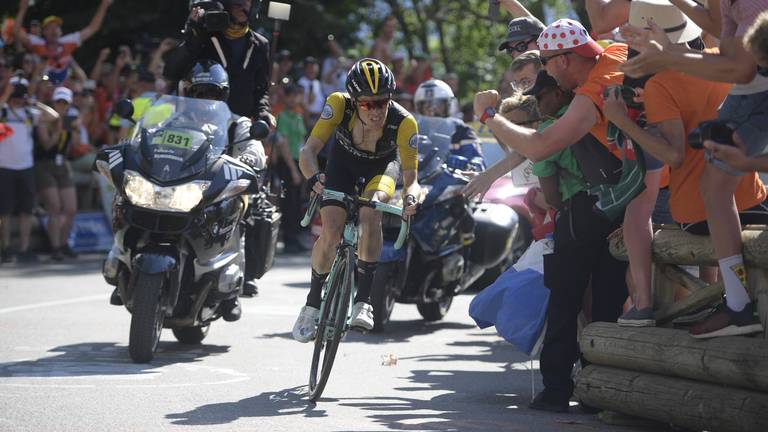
[(714, 130), (214, 18)]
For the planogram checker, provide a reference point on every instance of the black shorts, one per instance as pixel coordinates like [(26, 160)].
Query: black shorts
[(17, 191), (757, 215), (344, 170)]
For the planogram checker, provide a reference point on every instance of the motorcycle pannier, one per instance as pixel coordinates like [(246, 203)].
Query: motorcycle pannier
[(261, 238), (495, 228)]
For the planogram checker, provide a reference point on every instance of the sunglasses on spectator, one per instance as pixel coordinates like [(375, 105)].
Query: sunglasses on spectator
[(375, 104), (544, 60), (519, 47)]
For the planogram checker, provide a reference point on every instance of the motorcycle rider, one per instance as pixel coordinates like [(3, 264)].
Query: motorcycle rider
[(434, 98), (240, 50), (373, 136), (208, 80)]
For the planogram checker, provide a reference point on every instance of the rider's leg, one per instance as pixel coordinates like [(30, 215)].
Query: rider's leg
[(323, 251), (369, 248)]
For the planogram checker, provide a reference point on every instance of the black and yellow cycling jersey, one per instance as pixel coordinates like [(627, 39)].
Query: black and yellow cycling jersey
[(346, 163), (399, 134)]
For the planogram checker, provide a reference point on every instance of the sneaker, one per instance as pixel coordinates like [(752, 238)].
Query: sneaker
[(637, 318), (726, 322), (250, 289), (542, 403), (362, 316), (305, 328), (231, 310), (26, 258)]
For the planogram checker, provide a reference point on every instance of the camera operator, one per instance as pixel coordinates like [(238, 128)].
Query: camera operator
[(220, 31)]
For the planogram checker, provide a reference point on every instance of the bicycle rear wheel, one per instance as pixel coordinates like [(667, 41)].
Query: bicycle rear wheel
[(331, 325)]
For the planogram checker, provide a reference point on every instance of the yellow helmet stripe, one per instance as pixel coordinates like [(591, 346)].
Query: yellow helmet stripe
[(374, 83)]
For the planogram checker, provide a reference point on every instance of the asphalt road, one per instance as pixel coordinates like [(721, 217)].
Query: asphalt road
[(64, 366)]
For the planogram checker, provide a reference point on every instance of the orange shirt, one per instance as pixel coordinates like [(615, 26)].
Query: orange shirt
[(604, 74), (674, 96)]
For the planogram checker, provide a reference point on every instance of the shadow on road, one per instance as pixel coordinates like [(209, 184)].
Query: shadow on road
[(104, 359), (397, 331), (286, 402), (75, 267), (302, 285)]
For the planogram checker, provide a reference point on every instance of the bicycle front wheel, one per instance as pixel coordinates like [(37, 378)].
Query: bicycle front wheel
[(332, 322)]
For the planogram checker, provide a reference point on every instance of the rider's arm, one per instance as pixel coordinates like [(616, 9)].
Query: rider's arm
[(333, 113), (244, 145), (407, 146)]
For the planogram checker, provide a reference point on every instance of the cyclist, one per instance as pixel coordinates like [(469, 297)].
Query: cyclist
[(434, 98), (374, 136), (209, 80)]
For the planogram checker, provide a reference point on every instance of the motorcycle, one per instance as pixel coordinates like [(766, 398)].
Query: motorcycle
[(453, 242), (179, 203)]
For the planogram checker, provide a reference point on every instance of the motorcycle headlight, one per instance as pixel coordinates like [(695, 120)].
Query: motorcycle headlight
[(180, 198)]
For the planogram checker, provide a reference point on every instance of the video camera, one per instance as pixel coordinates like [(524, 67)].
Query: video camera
[(214, 18), (714, 130)]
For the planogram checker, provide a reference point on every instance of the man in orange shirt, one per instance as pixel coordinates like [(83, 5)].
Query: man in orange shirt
[(577, 63)]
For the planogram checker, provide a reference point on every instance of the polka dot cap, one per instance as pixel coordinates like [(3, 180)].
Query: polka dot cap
[(568, 34)]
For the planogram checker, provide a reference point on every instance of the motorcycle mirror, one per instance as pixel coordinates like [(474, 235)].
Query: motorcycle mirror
[(259, 130), (124, 109)]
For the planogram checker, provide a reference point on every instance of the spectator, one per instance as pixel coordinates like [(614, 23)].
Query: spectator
[(419, 71), (524, 69), (383, 46), (54, 48), (313, 92), (17, 176), (335, 67), (54, 176), (756, 42), (405, 99), (577, 63), (292, 133), (521, 36), (452, 79), (746, 108)]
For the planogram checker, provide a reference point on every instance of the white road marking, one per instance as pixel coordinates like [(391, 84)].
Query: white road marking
[(53, 303)]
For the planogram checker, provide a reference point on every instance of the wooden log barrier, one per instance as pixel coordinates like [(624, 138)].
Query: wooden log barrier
[(691, 404), (733, 361), (673, 246)]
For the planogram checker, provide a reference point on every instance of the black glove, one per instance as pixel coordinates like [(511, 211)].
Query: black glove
[(314, 179)]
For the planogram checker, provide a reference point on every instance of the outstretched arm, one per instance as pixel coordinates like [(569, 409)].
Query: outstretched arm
[(96, 22), (19, 21), (606, 15)]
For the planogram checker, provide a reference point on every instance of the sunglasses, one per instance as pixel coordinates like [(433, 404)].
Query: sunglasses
[(519, 47), (545, 60), (371, 105)]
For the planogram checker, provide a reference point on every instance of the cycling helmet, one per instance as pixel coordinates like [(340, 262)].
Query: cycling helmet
[(434, 98), (370, 77), (207, 80)]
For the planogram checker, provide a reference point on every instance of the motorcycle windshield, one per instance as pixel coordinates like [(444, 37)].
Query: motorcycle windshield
[(178, 137), (432, 156)]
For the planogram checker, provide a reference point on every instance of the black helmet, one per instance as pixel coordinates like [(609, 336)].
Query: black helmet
[(370, 77), (208, 80)]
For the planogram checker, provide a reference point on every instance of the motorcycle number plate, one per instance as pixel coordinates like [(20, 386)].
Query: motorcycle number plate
[(174, 138)]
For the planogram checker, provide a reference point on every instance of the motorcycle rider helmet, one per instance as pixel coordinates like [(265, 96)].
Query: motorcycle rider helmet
[(370, 77), (434, 98), (207, 80)]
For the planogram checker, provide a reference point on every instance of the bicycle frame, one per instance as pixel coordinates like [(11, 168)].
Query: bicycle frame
[(349, 240)]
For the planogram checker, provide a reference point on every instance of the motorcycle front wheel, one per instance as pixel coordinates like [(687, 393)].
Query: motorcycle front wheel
[(147, 317), (434, 311), (383, 294)]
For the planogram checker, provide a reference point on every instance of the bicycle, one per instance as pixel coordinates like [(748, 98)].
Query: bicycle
[(339, 289)]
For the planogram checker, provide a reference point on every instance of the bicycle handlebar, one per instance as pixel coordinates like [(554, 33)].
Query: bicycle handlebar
[(405, 223)]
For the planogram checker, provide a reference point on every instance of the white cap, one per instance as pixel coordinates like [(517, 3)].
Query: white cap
[(678, 27), (62, 93)]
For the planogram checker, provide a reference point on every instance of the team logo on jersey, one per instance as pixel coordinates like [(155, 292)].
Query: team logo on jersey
[(327, 112), (414, 141)]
